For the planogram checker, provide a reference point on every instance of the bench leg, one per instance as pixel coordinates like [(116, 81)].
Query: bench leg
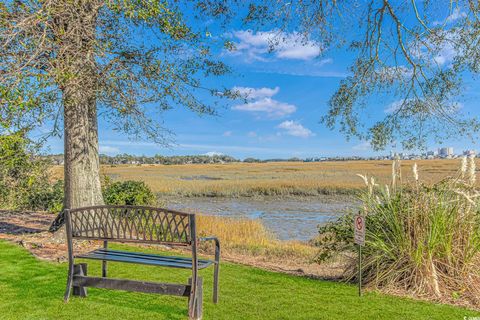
[(80, 270), (104, 263), (104, 269), (215, 282), (68, 290), (198, 307)]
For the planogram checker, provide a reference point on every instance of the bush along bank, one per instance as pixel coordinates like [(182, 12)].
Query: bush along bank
[(422, 239)]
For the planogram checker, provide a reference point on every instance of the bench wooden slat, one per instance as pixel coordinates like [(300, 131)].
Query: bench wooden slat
[(142, 258), (132, 285), (142, 254)]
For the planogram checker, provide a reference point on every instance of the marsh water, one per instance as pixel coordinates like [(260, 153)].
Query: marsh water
[(287, 218)]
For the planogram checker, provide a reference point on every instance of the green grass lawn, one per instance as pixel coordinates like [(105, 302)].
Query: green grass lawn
[(33, 289)]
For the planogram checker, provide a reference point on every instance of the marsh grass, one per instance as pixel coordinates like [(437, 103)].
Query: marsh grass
[(423, 238), (266, 179), (250, 238)]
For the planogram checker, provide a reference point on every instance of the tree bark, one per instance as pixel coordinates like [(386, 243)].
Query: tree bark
[(76, 23), (81, 165), (74, 26)]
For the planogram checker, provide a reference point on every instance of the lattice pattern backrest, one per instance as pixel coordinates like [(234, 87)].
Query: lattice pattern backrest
[(131, 224)]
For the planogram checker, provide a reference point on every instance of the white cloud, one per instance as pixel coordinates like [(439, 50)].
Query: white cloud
[(363, 146), (213, 153), (109, 150), (260, 102), (454, 16), (272, 108), (395, 105), (256, 46), (323, 62), (393, 73), (252, 134), (456, 106), (446, 54), (293, 128), (227, 133), (256, 93), (439, 48)]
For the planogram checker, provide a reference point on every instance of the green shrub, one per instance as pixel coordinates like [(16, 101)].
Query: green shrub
[(334, 236), (421, 238), (49, 198), (128, 193), (24, 182)]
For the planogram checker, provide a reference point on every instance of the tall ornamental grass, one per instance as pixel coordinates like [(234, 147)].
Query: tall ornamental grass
[(421, 238)]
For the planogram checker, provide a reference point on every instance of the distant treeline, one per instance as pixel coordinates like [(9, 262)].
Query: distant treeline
[(156, 159), (159, 159)]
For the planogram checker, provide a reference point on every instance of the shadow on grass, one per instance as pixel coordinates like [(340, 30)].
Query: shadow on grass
[(15, 229)]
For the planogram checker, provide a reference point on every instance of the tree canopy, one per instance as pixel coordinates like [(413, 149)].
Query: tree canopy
[(146, 57), (151, 55), (423, 53)]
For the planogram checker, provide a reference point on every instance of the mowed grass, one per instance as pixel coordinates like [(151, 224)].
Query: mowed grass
[(33, 289), (269, 179)]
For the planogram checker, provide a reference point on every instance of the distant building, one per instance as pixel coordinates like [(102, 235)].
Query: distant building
[(445, 152), (392, 155), (469, 153)]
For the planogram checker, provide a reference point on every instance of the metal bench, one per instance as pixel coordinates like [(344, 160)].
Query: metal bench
[(132, 224)]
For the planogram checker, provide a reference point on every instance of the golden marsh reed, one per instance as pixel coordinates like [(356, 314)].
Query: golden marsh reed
[(250, 238), (269, 179), (246, 240)]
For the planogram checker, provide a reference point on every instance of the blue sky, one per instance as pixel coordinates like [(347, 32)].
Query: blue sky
[(288, 92)]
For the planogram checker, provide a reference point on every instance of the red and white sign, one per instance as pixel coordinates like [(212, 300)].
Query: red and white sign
[(359, 230)]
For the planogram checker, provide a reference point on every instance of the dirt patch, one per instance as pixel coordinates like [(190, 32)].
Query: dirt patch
[(30, 230)]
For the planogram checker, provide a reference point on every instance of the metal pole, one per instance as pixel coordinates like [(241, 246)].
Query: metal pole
[(359, 270)]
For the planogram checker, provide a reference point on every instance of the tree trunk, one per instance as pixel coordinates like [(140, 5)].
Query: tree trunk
[(82, 167), (74, 26)]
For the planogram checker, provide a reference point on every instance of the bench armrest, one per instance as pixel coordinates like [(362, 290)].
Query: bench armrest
[(217, 265), (212, 238), (217, 246)]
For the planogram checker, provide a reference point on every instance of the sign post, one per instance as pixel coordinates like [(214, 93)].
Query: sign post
[(359, 239)]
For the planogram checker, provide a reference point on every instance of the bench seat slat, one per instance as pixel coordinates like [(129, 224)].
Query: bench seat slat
[(147, 255), (143, 258), (140, 255)]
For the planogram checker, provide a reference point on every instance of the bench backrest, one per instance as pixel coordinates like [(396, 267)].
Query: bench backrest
[(132, 224)]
